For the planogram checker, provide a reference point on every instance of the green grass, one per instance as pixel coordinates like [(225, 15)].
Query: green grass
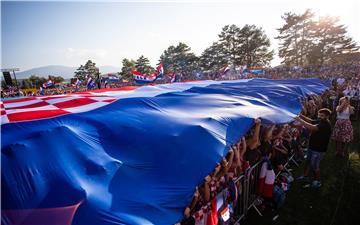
[(336, 202)]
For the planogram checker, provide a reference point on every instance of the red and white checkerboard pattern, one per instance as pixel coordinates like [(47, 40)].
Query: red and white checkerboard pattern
[(42, 107), (26, 109)]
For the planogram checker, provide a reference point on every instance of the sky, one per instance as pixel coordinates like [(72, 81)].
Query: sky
[(35, 34)]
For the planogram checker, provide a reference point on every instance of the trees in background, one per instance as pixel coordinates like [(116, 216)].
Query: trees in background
[(56, 79), (295, 38), (89, 69), (213, 58), (142, 65), (305, 41), (248, 45), (127, 66), (180, 59), (37, 81), (330, 40), (254, 47), (34, 81)]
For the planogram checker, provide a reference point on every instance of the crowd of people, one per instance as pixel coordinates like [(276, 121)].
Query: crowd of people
[(306, 138), (340, 74), (57, 89), (347, 71)]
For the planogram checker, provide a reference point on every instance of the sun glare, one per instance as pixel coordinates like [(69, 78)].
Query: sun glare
[(334, 8)]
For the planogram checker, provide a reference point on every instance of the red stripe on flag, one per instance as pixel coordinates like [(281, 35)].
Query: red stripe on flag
[(41, 114), (74, 103), (3, 112), (19, 100), (38, 104)]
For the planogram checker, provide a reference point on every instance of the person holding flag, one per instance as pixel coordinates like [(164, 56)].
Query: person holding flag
[(160, 71), (226, 69), (42, 92), (142, 78), (77, 84), (90, 83), (173, 77)]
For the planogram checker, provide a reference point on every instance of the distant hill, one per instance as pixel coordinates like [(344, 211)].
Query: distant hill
[(64, 71)]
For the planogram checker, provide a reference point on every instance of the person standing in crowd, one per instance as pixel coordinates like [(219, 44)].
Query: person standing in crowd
[(252, 154), (319, 140), (343, 130)]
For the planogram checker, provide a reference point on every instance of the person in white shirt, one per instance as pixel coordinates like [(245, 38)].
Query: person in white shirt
[(343, 130)]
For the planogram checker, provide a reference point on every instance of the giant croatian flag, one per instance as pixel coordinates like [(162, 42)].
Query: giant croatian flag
[(132, 155)]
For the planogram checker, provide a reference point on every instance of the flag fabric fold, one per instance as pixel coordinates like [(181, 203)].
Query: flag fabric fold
[(131, 155)]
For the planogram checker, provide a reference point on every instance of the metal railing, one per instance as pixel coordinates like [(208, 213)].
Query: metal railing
[(247, 186)]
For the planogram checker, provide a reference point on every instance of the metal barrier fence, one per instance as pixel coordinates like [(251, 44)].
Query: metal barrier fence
[(247, 186), (253, 175), (248, 196), (240, 208), (250, 183)]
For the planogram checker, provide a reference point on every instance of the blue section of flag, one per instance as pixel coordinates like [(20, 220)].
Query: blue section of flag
[(138, 160)]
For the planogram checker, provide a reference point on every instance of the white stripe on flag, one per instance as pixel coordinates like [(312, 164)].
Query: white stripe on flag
[(4, 119), (85, 108), (47, 107), (102, 98), (18, 104), (57, 100)]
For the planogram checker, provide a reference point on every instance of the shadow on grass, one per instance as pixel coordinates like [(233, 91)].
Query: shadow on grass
[(337, 202)]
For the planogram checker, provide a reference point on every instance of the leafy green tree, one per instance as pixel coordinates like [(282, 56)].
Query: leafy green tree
[(254, 47), (180, 59), (36, 81), (127, 66), (26, 84), (80, 73), (56, 79), (296, 37), (248, 45), (213, 58), (304, 41), (89, 69), (330, 40), (142, 65), (230, 43)]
